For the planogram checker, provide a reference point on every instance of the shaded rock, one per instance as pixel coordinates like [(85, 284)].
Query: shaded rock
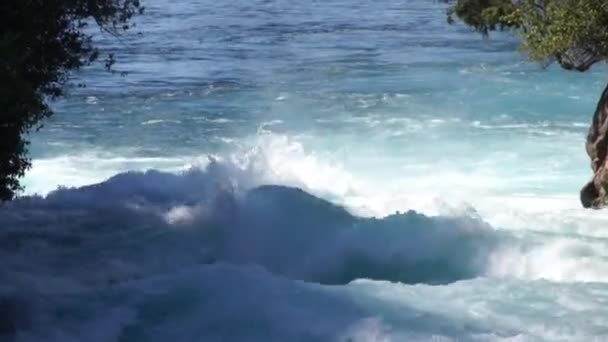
[(594, 193)]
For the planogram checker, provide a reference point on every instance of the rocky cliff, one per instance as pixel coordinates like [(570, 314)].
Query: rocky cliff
[(594, 193)]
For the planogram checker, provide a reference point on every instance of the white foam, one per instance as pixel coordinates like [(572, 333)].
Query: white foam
[(223, 302), (523, 276), (81, 169), (551, 222)]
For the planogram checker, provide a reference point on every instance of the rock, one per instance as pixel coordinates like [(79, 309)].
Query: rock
[(594, 193)]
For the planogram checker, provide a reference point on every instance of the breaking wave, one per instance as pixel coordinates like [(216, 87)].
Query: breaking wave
[(139, 223), (145, 256)]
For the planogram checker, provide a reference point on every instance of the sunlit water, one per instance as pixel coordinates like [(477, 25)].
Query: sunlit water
[(379, 107)]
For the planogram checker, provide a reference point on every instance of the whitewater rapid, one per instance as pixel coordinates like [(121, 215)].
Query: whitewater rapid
[(212, 253), (341, 170)]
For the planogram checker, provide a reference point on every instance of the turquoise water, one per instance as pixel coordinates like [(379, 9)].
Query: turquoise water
[(439, 172)]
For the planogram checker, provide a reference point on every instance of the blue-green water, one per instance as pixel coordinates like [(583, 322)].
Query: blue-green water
[(377, 106)]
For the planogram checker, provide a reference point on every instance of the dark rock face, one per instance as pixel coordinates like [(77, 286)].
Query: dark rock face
[(594, 194)]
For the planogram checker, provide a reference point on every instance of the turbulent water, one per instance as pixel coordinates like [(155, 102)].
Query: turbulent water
[(340, 170)]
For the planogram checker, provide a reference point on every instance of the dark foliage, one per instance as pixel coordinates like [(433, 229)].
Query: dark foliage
[(41, 42), (573, 33)]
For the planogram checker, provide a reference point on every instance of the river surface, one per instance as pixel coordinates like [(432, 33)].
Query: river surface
[(332, 170)]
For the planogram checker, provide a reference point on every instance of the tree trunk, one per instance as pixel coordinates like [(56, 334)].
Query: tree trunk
[(595, 193)]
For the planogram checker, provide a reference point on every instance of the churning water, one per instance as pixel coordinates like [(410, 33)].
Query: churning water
[(439, 176)]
